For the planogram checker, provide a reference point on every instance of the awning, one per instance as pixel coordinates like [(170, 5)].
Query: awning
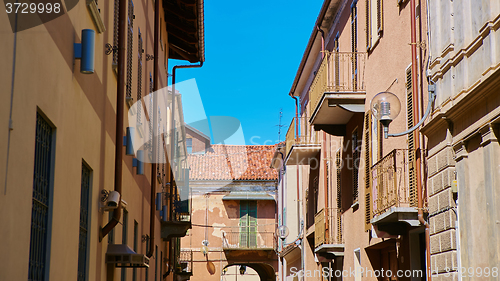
[(247, 195)]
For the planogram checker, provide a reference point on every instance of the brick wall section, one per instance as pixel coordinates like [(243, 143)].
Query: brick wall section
[(442, 219)]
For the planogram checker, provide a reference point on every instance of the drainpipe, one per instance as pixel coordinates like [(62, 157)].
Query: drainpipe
[(152, 211), (172, 135), (120, 103), (325, 176), (414, 70)]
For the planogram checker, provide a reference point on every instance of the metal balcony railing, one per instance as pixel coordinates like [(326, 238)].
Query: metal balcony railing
[(185, 262), (339, 72), (334, 233), (305, 135), (393, 182), (245, 240)]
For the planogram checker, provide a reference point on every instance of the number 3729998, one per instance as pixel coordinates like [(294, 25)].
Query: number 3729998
[(32, 8)]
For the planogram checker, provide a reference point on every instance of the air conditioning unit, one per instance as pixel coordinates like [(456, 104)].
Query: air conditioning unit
[(122, 256)]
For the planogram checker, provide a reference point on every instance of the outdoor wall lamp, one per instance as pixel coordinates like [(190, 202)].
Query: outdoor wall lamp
[(85, 51), (386, 106), (282, 232)]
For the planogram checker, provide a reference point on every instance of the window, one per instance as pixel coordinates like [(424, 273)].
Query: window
[(354, 43), (42, 181), (189, 145), (136, 233), (357, 265), (124, 240), (374, 22), (156, 262), (111, 234), (355, 166), (84, 223), (130, 46), (248, 224)]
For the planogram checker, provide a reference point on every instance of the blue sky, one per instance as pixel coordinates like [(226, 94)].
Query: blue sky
[(252, 51)]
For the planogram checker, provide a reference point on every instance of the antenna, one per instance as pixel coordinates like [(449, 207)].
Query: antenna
[(279, 125)]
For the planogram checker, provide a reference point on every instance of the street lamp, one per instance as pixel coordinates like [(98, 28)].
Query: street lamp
[(386, 106)]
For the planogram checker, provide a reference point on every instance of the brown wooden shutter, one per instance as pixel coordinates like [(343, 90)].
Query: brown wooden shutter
[(411, 139), (139, 79), (115, 33), (368, 158), (380, 16), (338, 163), (368, 33)]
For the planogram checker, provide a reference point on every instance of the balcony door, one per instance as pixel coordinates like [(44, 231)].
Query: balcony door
[(248, 224)]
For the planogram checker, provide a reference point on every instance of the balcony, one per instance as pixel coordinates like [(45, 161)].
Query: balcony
[(184, 266), (394, 197), (179, 223), (329, 242), (302, 144), (338, 90), (248, 240)]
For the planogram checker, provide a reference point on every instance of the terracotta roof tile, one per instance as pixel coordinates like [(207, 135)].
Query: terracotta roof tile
[(233, 162)]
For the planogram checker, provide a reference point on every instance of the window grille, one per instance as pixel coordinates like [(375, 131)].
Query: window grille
[(84, 223), (41, 191), (130, 46), (115, 32)]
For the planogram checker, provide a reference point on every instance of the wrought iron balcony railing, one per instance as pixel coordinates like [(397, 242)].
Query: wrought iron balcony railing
[(185, 262), (340, 72), (334, 233), (304, 136), (248, 240), (393, 182)]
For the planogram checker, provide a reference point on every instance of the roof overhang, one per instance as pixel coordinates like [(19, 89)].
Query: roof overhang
[(186, 30), (248, 195), (313, 49), (338, 108)]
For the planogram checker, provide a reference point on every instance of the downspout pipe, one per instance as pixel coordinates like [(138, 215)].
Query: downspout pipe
[(172, 131), (418, 156), (325, 176), (120, 104), (154, 111)]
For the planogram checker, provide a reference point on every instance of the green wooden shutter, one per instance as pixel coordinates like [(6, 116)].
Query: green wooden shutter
[(243, 223), (252, 224)]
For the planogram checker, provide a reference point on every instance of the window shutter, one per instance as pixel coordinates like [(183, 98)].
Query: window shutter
[(411, 139), (380, 16), (252, 224), (355, 168), (368, 32), (338, 162), (243, 223), (354, 44), (368, 164)]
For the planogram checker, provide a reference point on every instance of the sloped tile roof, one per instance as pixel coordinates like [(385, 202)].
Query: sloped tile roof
[(233, 162)]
